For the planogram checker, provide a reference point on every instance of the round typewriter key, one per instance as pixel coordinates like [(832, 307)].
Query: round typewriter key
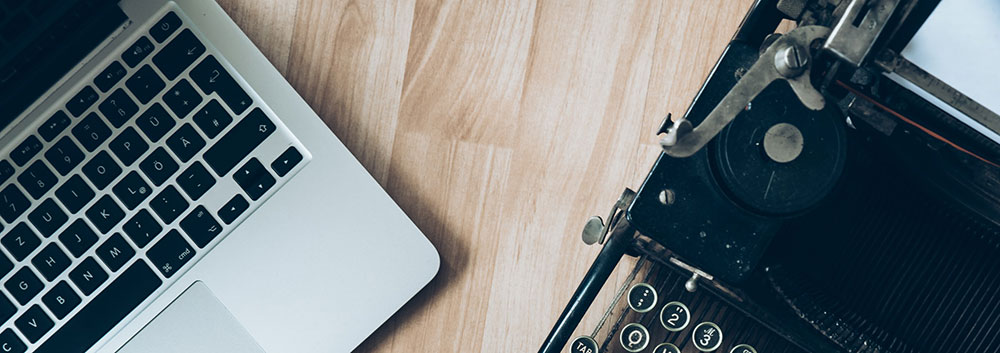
[(641, 297), (707, 336), (666, 348), (583, 344), (675, 316), (743, 348), (634, 337)]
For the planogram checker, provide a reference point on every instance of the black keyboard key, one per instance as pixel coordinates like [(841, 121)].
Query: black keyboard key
[(233, 209), (138, 51), (9, 340), (74, 193), (5, 267), (155, 122), (254, 179), (132, 190), (165, 27), (212, 118), (169, 204), (180, 53), (105, 214), (210, 76), (142, 228), (103, 312), (182, 98), (185, 142), (158, 166), (51, 261), (88, 276), (14, 203), (128, 146), (145, 84), (102, 170), (48, 217), (239, 142), (6, 170), (27, 149), (286, 161), (196, 180), (20, 241), (64, 155), (61, 300), (170, 253), (81, 101), (119, 108), (110, 76), (115, 252), (34, 323), (91, 131), (23, 285), (37, 179), (200, 226), (78, 237), (54, 126)]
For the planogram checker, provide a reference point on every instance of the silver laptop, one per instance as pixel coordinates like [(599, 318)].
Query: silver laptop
[(163, 189)]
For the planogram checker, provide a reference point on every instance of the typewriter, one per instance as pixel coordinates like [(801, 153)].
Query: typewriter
[(832, 188)]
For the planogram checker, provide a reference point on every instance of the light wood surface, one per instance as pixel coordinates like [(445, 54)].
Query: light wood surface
[(499, 127)]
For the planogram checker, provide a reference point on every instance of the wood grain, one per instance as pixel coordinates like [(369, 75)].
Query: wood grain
[(499, 127)]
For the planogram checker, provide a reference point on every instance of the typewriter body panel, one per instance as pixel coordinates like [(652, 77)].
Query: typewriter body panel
[(841, 199)]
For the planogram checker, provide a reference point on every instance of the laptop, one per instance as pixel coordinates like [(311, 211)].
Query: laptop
[(164, 189)]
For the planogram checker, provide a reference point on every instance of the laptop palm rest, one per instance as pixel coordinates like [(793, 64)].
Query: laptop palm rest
[(196, 322)]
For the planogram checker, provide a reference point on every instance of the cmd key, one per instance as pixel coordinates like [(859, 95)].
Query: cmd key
[(239, 142)]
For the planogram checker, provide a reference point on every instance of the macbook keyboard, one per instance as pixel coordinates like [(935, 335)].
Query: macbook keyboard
[(144, 169)]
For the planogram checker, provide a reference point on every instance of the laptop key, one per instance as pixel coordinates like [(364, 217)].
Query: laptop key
[(165, 27), (142, 228), (6, 170), (158, 166), (169, 204), (155, 122), (132, 190), (105, 214), (61, 300), (239, 142), (286, 161), (128, 146), (118, 108), (78, 237), (185, 142), (104, 311), (170, 253), (233, 209), (74, 193), (14, 203), (20, 241), (91, 132), (34, 323), (8, 339), (24, 151), (210, 76), (47, 217), (138, 51), (177, 55), (58, 122), (212, 118), (88, 275), (145, 84), (5, 267), (51, 261), (254, 179), (195, 181), (101, 170), (64, 155), (23, 285), (37, 179), (81, 101), (200, 226), (110, 76), (115, 252), (182, 98)]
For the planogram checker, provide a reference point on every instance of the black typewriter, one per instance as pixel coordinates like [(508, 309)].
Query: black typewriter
[(833, 188)]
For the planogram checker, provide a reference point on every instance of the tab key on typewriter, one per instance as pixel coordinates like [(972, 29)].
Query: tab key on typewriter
[(707, 336), (634, 337), (641, 297), (583, 344), (666, 348), (675, 316), (743, 348)]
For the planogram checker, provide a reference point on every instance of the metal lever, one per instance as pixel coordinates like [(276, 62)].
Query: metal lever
[(788, 58)]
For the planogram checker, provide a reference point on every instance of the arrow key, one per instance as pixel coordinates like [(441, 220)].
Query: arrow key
[(254, 179), (286, 161), (232, 209)]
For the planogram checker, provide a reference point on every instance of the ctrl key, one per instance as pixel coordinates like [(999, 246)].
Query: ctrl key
[(170, 253), (10, 343)]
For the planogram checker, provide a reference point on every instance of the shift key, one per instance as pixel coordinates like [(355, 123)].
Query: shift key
[(239, 142)]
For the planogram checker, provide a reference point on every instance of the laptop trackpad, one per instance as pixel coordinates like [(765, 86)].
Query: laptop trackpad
[(195, 322)]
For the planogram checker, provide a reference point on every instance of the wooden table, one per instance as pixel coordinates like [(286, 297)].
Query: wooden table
[(499, 127)]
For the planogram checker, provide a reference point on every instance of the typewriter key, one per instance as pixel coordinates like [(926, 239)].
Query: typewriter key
[(641, 297), (707, 336), (666, 348), (743, 348), (675, 316), (634, 337), (583, 344)]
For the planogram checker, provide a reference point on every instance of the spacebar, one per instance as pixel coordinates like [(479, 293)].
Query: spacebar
[(104, 311)]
